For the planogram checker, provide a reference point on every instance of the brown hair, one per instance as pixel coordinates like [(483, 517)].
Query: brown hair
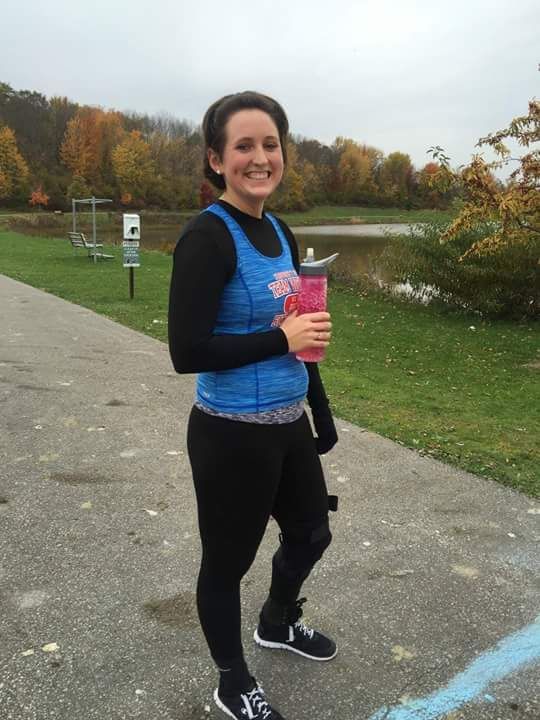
[(218, 114)]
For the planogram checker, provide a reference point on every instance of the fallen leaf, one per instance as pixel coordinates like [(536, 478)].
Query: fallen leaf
[(400, 653), (50, 647), (464, 571), (49, 458)]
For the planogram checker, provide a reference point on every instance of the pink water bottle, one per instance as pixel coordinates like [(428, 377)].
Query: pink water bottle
[(312, 296)]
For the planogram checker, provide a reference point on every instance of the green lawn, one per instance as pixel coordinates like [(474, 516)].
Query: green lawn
[(329, 214), (449, 385), (323, 215), (418, 375)]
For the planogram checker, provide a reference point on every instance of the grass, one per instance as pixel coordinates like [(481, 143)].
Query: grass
[(449, 385), (330, 214), (418, 375), (323, 215)]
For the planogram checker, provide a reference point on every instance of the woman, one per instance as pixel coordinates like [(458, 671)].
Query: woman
[(232, 320)]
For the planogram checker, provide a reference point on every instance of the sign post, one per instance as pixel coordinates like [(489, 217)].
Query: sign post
[(131, 243)]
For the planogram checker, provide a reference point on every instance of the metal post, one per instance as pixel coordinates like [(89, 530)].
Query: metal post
[(131, 282), (94, 227), (74, 214)]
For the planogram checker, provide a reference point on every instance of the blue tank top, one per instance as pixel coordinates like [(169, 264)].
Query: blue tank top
[(259, 296)]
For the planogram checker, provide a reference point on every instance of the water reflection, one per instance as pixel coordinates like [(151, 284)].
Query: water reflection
[(359, 246), (375, 230)]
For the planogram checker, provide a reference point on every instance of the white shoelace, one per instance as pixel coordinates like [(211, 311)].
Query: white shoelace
[(308, 632), (254, 700)]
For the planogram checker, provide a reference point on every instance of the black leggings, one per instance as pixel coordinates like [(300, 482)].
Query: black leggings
[(243, 473)]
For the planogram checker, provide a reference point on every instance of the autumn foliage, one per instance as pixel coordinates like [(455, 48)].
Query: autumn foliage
[(39, 198), (133, 165), (76, 151), (488, 259), (513, 208), (206, 194), (13, 168)]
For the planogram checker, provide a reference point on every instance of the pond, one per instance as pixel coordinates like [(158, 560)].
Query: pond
[(358, 246)]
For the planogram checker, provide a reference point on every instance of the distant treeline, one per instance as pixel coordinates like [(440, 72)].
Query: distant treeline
[(53, 149)]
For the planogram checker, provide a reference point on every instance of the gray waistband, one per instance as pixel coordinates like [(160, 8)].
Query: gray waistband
[(278, 416)]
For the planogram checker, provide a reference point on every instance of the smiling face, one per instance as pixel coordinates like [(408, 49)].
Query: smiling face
[(252, 161)]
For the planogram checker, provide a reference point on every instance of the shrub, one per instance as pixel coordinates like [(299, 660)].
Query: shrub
[(503, 283)]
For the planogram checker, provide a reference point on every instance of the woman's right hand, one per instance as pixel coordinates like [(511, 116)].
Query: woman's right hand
[(309, 330)]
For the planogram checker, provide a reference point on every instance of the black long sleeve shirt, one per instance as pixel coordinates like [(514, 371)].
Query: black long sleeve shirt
[(203, 263)]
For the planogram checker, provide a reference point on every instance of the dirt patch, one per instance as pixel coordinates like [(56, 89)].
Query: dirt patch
[(81, 478), (37, 387), (179, 611)]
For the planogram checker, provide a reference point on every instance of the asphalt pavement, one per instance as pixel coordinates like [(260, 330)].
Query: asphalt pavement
[(431, 586)]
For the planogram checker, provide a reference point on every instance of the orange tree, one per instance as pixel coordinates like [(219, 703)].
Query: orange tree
[(39, 198)]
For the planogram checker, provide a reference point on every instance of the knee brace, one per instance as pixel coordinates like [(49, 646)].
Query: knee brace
[(301, 548)]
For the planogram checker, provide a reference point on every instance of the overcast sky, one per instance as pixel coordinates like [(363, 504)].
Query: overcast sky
[(397, 74)]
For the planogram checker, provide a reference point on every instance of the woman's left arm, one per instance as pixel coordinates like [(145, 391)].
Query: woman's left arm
[(325, 427), (318, 402)]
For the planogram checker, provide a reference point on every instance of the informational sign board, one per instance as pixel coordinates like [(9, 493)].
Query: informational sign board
[(131, 253), (132, 227)]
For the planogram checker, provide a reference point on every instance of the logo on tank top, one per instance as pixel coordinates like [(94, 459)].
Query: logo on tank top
[(285, 285)]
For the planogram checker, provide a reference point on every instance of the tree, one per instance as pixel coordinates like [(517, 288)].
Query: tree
[(354, 171), (4, 185), (313, 180), (488, 258), (89, 140), (133, 166), (290, 193), (13, 168), (206, 194), (61, 112), (78, 151), (39, 198), (396, 178), (512, 210), (78, 189), (28, 114), (313, 151), (428, 193)]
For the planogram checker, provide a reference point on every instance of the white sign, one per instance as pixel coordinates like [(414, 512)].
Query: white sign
[(132, 227)]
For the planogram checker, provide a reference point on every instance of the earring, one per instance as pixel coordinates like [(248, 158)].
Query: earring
[(218, 172)]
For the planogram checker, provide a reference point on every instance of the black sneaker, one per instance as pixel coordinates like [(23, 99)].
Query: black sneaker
[(251, 705), (296, 637)]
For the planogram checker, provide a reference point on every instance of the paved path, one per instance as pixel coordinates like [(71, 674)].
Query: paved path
[(431, 586)]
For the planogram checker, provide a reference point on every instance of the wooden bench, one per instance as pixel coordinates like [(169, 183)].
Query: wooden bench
[(78, 240)]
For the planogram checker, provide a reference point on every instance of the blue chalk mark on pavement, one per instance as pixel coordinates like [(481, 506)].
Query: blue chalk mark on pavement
[(514, 652)]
